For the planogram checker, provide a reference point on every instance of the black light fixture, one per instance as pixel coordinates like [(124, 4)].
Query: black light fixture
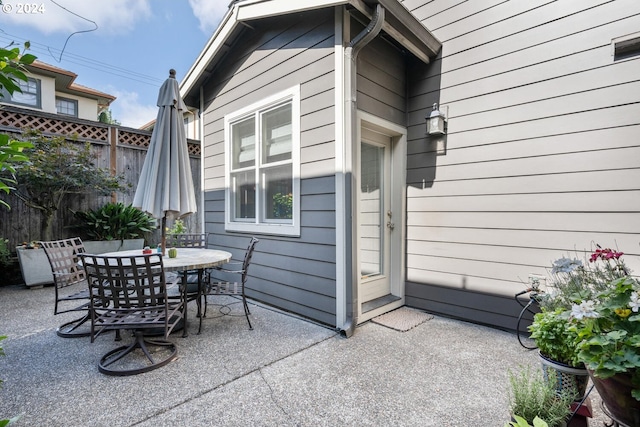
[(436, 122)]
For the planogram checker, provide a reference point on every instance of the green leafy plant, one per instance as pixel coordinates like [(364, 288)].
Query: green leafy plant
[(554, 337), (11, 152), (6, 422), (12, 71), (5, 253), (178, 227), (114, 221), (531, 396), (521, 422), (283, 206)]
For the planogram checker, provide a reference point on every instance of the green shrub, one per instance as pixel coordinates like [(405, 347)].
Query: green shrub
[(5, 253), (114, 221)]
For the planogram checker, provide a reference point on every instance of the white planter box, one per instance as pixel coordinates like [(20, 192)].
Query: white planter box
[(35, 267)]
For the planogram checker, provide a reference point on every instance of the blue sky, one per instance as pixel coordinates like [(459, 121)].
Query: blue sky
[(130, 52)]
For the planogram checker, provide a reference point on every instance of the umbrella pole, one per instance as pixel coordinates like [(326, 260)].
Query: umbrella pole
[(163, 241)]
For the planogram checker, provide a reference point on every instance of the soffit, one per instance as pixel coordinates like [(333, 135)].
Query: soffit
[(65, 82)]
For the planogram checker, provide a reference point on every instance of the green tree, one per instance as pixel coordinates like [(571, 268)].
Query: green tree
[(106, 117), (56, 168)]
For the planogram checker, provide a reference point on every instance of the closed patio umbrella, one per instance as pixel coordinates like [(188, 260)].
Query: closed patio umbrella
[(165, 187)]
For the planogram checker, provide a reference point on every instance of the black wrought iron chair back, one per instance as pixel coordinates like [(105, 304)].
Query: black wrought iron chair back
[(131, 293), (187, 240), (70, 283), (192, 279), (218, 287)]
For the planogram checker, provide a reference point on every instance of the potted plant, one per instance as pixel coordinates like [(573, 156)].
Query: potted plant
[(608, 328), (531, 397), (556, 341), (113, 227)]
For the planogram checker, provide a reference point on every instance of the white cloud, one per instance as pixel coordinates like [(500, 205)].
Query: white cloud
[(113, 16), (128, 110), (209, 13)]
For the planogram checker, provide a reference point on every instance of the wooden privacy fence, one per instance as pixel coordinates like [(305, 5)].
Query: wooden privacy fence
[(118, 148)]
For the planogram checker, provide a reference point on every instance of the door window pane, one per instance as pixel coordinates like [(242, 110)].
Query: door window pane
[(371, 210)]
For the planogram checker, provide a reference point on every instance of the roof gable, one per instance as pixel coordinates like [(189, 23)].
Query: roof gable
[(399, 23)]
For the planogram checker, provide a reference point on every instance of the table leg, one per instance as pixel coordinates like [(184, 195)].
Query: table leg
[(185, 331)]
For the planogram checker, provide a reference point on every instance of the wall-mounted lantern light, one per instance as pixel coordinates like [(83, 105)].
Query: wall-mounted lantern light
[(436, 122)]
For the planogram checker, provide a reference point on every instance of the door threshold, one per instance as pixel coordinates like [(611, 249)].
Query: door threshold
[(378, 302)]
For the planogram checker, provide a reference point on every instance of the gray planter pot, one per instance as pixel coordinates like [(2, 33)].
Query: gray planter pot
[(35, 268), (103, 246)]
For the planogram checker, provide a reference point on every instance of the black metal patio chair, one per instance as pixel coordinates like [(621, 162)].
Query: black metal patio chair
[(130, 293), (70, 284), (217, 287)]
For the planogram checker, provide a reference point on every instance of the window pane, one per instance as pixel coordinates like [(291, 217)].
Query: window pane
[(276, 134), (66, 107), (244, 194), (29, 95), (278, 200), (243, 136)]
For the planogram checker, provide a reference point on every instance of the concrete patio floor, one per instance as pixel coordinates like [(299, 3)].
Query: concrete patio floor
[(286, 372)]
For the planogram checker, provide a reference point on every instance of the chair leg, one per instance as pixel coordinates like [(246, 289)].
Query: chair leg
[(69, 329), (246, 311), (139, 342)]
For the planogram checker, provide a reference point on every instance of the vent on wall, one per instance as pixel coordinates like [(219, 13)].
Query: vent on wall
[(626, 46)]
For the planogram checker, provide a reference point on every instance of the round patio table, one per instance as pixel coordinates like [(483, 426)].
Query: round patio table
[(188, 259)]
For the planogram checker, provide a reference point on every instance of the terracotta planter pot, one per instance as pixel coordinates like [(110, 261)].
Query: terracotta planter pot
[(567, 378), (616, 396)]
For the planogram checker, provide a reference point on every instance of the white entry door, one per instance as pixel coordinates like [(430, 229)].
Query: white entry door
[(376, 215)]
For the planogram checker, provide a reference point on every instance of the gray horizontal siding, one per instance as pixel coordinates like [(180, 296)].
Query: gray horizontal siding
[(295, 274), (381, 80), (542, 150)]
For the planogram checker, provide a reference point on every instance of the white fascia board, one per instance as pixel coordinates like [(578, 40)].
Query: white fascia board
[(264, 8)]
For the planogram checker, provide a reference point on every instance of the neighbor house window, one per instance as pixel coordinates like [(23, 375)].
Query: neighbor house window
[(262, 167), (67, 107), (30, 95)]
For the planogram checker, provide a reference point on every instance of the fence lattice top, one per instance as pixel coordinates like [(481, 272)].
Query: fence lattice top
[(14, 120)]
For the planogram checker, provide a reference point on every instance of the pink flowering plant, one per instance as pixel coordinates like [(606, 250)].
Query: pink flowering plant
[(606, 318)]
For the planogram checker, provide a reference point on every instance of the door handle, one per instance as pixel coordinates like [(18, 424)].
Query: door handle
[(390, 225)]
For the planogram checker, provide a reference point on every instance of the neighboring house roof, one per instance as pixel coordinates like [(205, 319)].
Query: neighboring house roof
[(65, 82), (399, 24)]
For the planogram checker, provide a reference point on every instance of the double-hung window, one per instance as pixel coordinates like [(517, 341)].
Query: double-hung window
[(262, 143), (67, 107), (29, 96)]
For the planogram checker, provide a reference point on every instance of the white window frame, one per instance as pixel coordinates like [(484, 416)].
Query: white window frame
[(258, 226)]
